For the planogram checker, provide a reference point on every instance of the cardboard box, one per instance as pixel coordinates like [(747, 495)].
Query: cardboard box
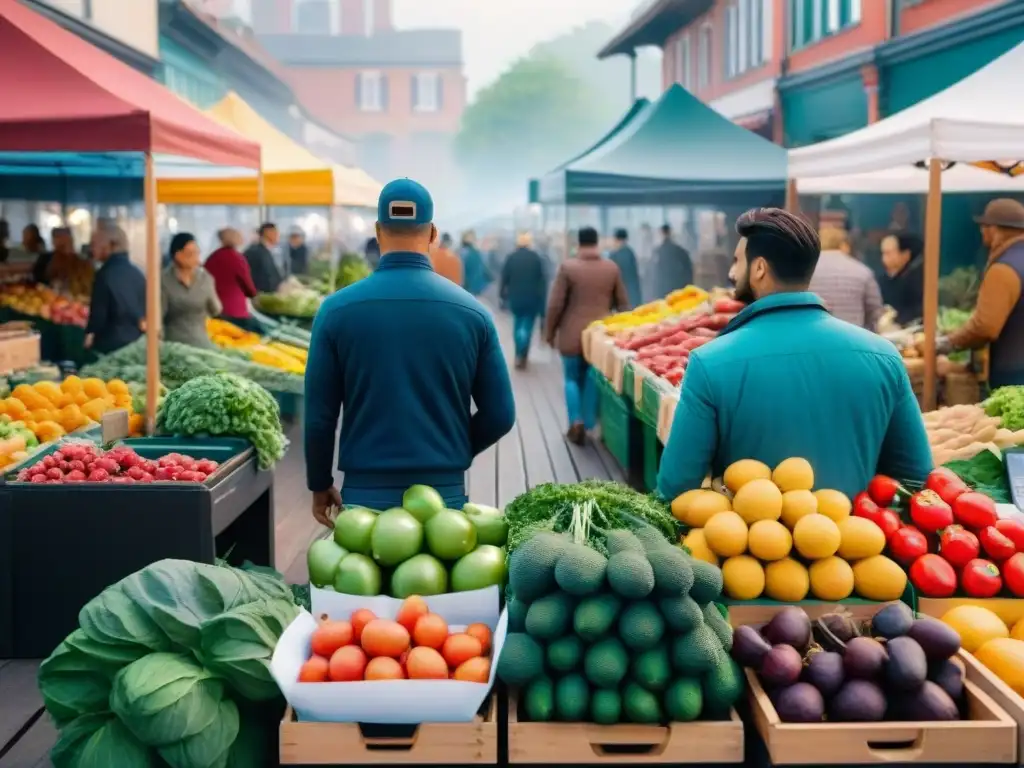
[(19, 349)]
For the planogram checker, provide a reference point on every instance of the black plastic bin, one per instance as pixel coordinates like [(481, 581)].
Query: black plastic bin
[(63, 544)]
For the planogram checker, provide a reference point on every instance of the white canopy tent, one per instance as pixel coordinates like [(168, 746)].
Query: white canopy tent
[(911, 180), (979, 119)]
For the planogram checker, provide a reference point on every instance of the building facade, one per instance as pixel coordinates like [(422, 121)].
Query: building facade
[(803, 71)]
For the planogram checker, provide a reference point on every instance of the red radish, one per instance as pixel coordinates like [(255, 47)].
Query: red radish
[(75, 476), (98, 476), (38, 479)]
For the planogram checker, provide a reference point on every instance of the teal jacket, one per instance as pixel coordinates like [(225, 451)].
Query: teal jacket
[(784, 379)]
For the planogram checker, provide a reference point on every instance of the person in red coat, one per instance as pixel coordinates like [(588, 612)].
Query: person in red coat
[(233, 280)]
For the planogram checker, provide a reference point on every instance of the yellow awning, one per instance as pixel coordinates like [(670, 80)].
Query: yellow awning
[(292, 175)]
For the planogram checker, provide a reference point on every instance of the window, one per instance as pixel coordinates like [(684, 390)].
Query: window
[(745, 35), (705, 50), (426, 92), (371, 92), (684, 67), (812, 20), (316, 17), (87, 9), (369, 17), (732, 40)]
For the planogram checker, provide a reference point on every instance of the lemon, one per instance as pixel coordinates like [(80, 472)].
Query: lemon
[(699, 549), (743, 577), (794, 475), (726, 534), (758, 500), (796, 504), (816, 537), (769, 540), (703, 506), (831, 579), (833, 504), (786, 580), (741, 472)]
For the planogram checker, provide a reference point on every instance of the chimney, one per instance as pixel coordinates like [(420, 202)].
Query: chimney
[(365, 17)]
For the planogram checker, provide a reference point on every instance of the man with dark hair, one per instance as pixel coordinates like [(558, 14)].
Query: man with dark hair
[(523, 289), (786, 379), (265, 274), (625, 260), (406, 353), (902, 283), (673, 268)]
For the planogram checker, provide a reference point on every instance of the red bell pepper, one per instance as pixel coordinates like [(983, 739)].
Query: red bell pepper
[(864, 506), (1012, 529), (908, 544), (1013, 573), (997, 545), (946, 483), (932, 576), (975, 510), (929, 512), (958, 545), (981, 579), (889, 521), (884, 490)]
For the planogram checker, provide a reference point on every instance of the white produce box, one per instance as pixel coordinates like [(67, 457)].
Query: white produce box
[(386, 701)]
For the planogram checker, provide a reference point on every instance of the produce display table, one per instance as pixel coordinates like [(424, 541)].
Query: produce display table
[(66, 543)]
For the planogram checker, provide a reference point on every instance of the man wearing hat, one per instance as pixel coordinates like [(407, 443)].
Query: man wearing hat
[(402, 356), (998, 318)]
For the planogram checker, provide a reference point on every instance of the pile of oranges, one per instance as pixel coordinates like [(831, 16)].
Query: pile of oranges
[(52, 410), (416, 645)]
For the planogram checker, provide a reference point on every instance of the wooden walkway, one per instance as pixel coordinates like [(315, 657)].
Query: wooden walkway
[(534, 452)]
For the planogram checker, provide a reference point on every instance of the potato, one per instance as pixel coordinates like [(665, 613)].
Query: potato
[(942, 435), (1005, 438), (987, 433)]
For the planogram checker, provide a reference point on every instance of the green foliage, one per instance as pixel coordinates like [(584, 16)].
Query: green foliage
[(1008, 404)]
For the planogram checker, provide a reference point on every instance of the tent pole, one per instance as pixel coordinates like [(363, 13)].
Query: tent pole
[(261, 208), (932, 251), (152, 297), (792, 197), (330, 248)]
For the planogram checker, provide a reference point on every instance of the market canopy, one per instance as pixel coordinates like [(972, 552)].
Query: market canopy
[(677, 151), (980, 118), (911, 180), (69, 96), (292, 175)]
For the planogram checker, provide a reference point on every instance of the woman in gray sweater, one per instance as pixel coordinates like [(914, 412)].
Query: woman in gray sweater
[(188, 295)]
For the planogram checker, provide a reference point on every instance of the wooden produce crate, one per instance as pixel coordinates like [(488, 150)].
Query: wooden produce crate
[(666, 413), (473, 743), (19, 347), (989, 736), (1002, 694), (702, 741), (616, 366), (640, 375)]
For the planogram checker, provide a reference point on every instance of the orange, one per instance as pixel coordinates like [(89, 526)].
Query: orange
[(383, 637), (460, 648), (360, 619), (475, 670), (412, 609), (431, 630), (329, 637), (315, 670), (482, 633), (94, 409), (426, 664), (15, 408), (94, 387), (347, 664), (136, 424), (43, 414), (384, 668), (117, 387), (48, 389), (72, 385), (48, 430), (80, 398)]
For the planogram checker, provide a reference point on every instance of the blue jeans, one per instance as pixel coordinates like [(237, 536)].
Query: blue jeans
[(580, 392), (522, 333)]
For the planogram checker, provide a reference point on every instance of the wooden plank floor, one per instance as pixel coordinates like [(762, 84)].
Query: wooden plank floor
[(534, 452)]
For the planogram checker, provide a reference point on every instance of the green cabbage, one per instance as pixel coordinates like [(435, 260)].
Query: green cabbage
[(100, 741)]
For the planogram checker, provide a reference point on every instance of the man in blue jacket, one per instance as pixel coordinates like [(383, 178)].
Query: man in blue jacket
[(787, 379), (405, 352), (625, 259)]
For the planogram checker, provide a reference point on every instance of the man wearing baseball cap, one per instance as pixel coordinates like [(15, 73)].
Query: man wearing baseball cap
[(998, 318), (402, 356)]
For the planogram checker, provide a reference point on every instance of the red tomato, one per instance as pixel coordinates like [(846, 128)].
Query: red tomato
[(929, 512), (1012, 529), (997, 545), (864, 506), (975, 510), (908, 544), (1013, 572), (958, 545), (946, 483), (884, 490), (889, 521), (981, 579), (932, 576)]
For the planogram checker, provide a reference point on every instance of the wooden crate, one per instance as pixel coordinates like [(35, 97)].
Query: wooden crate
[(640, 373), (666, 413), (989, 736), (616, 367), (592, 744), (473, 743), (1002, 694)]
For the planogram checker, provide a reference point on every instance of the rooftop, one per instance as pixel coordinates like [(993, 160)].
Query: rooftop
[(396, 48), (652, 23)]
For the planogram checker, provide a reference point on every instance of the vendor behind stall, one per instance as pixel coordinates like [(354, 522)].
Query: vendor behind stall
[(786, 379), (998, 318), (117, 310), (188, 295), (402, 355), (902, 283)]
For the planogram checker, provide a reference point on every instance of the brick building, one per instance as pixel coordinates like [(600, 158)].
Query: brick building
[(802, 71)]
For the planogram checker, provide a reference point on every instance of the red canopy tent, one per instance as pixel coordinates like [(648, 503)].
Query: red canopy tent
[(69, 96)]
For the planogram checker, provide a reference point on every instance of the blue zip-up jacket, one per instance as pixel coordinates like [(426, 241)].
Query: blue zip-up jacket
[(407, 353), (625, 259), (787, 379)]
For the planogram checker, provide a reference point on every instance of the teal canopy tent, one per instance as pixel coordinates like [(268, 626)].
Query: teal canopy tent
[(677, 151), (71, 177), (631, 114)]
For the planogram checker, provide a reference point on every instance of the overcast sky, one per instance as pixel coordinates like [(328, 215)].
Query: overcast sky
[(497, 32)]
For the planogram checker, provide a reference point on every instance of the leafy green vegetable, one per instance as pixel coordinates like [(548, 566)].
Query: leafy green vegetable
[(986, 474), (1008, 404), (100, 741), (225, 404), (959, 289)]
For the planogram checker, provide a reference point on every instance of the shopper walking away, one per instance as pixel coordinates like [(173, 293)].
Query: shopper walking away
[(625, 260), (998, 317), (265, 274), (523, 291), (188, 295), (786, 379), (586, 288), (444, 260), (672, 268), (476, 276), (902, 283), (232, 280), (847, 287), (403, 356), (117, 309), (298, 253)]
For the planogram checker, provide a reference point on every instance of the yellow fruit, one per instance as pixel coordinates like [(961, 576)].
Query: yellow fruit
[(15, 408), (833, 504), (48, 389), (758, 500), (859, 538), (1017, 633), (681, 504), (703, 506), (117, 387), (741, 472), (976, 626), (879, 578), (726, 534), (694, 541), (1004, 657), (769, 540), (786, 580), (816, 536), (72, 385), (794, 475), (743, 577), (94, 387), (796, 504), (831, 579)]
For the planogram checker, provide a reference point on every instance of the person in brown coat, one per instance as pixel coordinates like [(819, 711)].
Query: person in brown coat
[(585, 289)]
